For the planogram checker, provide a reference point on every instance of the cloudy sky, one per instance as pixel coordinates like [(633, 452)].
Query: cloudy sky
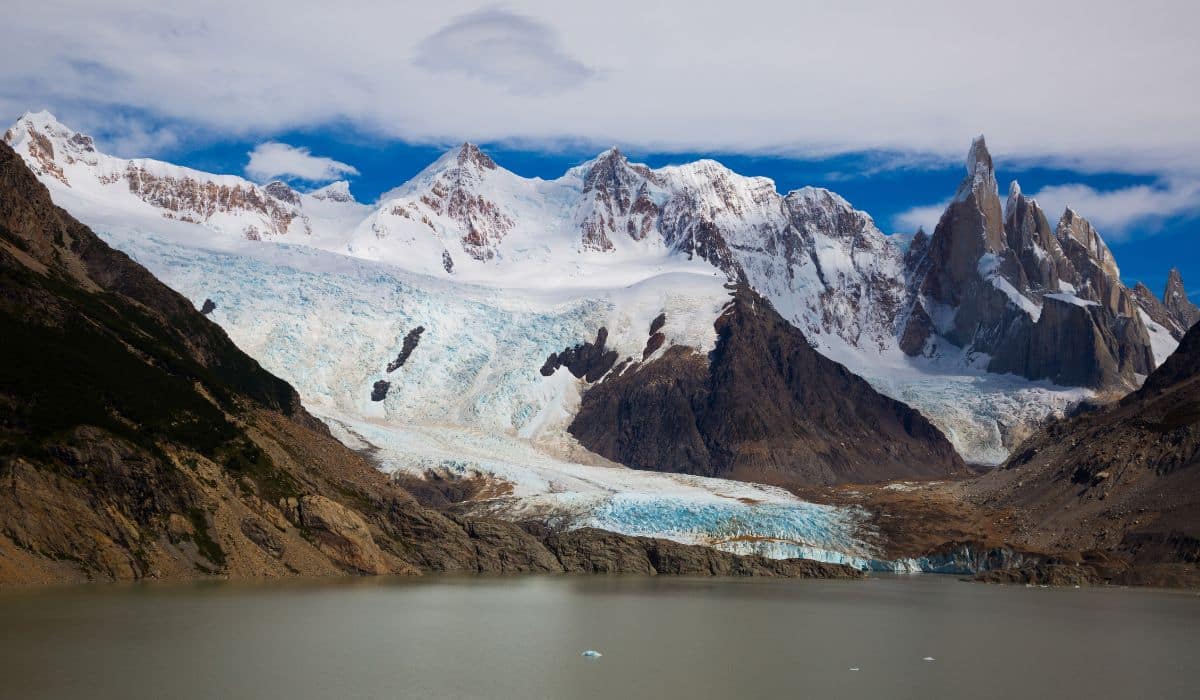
[(1088, 103)]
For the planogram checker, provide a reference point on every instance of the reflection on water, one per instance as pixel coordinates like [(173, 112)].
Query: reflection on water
[(667, 638)]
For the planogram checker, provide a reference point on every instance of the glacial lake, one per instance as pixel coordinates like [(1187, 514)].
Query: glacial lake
[(659, 638)]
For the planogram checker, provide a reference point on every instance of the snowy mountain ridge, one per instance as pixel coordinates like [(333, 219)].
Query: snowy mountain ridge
[(609, 224)]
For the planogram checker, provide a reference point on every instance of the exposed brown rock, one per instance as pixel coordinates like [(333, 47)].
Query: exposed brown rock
[(589, 360), (763, 406), (1157, 311), (995, 281)]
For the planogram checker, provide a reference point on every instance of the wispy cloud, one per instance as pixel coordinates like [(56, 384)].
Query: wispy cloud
[(272, 160), (1118, 213), (1121, 213), (511, 51), (924, 216), (782, 78)]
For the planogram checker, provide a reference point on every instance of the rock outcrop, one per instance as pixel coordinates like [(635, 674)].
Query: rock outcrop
[(617, 200), (1177, 302), (762, 406), (588, 360), (177, 193), (411, 340), (1040, 304), (1153, 307)]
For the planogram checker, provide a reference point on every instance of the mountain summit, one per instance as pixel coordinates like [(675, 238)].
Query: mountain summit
[(1041, 306)]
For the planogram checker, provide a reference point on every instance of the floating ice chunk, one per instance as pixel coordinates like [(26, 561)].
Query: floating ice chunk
[(928, 658), (591, 654), (855, 668)]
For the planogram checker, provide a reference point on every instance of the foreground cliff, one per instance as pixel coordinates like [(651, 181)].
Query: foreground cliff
[(136, 441)]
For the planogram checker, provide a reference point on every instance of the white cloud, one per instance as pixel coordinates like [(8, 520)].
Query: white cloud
[(1119, 213), (1095, 83), (925, 216), (272, 160), (499, 47)]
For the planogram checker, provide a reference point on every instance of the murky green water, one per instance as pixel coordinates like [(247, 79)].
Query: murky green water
[(660, 638)]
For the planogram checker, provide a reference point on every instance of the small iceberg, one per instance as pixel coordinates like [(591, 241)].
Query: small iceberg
[(928, 658), (591, 654), (854, 668)]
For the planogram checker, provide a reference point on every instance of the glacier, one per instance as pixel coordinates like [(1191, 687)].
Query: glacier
[(470, 400)]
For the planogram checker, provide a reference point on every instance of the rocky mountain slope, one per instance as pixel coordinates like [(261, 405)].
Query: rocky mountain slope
[(1037, 302), (1117, 488), (136, 440), (709, 413)]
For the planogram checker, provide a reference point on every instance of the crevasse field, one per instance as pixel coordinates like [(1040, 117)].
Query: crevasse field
[(471, 400)]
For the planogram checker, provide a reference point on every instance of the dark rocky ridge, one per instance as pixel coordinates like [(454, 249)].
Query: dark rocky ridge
[(1178, 304), (763, 406), (1156, 310), (587, 360), (136, 441), (1119, 484)]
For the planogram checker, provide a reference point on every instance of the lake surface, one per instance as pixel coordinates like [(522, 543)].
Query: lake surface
[(660, 638)]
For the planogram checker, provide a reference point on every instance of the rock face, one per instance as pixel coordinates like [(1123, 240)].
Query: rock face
[(136, 441), (1041, 304), (1121, 482), (178, 193), (763, 406), (411, 340), (1177, 303), (617, 200), (1153, 307), (339, 531), (589, 360)]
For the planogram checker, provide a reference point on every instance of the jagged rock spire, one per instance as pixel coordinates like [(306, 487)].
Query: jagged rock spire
[(1073, 227), (978, 158), (1175, 298), (1033, 241)]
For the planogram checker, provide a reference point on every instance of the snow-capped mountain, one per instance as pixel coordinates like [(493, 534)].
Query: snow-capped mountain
[(901, 317), (223, 203)]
